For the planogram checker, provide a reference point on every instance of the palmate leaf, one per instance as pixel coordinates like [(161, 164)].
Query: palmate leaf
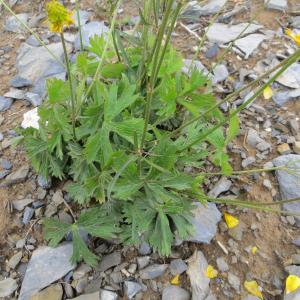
[(55, 231), (161, 238), (184, 226), (77, 192), (58, 90), (234, 128), (217, 139), (220, 158), (92, 148)]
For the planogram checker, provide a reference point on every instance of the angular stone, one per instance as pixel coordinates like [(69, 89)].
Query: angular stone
[(108, 295), (189, 65), (14, 260), (206, 218), (173, 292), (177, 266), (15, 94), (292, 296), (13, 25), (132, 288), (289, 182), (223, 185), (88, 31), (223, 33), (144, 249), (27, 216), (195, 10), (84, 17), (18, 176), (110, 260), (281, 5), (281, 98), (220, 73), (249, 43), (290, 78), (45, 267), (234, 281), (21, 204), (222, 264), (153, 271), (5, 103), (197, 265), (53, 292), (7, 287), (33, 98)]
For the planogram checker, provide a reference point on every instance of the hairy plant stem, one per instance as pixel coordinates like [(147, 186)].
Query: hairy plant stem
[(155, 70), (79, 24), (6, 6), (288, 63), (70, 83)]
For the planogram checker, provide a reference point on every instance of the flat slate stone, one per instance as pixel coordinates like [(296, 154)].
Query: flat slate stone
[(281, 5), (45, 267), (5, 103), (173, 292), (13, 25), (249, 43), (290, 77), (195, 10), (7, 287), (205, 221), (223, 33)]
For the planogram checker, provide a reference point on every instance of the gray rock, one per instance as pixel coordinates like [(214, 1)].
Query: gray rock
[(248, 161), (81, 271), (293, 270), (289, 182), (132, 288), (223, 185), (34, 99), (281, 5), (234, 281), (4, 173), (13, 25), (206, 218), (5, 103), (189, 64), (153, 271), (7, 287), (21, 204), (297, 241), (108, 295), (53, 292), (81, 284), (45, 267), (249, 44), (18, 176), (93, 296), (27, 216), (44, 183), (144, 249), (33, 41), (222, 33), (280, 98), (173, 292), (6, 164), (19, 82), (263, 146), (51, 210), (296, 22), (220, 73), (88, 31), (253, 138), (15, 94), (177, 266), (222, 264), (109, 261), (197, 265), (292, 296), (194, 10), (84, 17), (143, 261), (290, 77), (14, 260), (212, 51)]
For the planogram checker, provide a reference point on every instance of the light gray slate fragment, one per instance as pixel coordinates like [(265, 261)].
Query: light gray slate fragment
[(249, 44), (206, 217), (13, 25), (153, 271), (132, 288), (281, 5), (223, 185), (173, 292), (195, 10), (7, 287), (5, 103), (45, 267), (223, 33), (290, 78), (289, 182)]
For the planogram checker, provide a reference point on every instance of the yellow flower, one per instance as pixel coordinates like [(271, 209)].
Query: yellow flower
[(58, 16), (253, 288), (254, 250), (292, 283), (268, 93), (230, 220), (211, 272), (294, 36), (175, 280)]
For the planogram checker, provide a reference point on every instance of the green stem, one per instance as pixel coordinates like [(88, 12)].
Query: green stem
[(6, 6), (70, 83), (291, 60), (79, 24)]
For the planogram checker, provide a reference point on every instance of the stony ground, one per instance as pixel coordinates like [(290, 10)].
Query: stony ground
[(269, 137)]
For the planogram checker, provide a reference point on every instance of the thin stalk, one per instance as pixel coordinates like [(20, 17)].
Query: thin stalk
[(154, 70), (100, 64), (70, 83), (79, 24), (32, 32), (292, 59)]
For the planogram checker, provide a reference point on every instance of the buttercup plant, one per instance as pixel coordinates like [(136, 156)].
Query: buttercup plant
[(124, 128)]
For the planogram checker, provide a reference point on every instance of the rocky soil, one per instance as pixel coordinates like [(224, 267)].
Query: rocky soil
[(270, 136)]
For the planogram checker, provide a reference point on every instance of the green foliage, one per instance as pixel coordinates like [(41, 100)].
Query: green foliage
[(126, 149)]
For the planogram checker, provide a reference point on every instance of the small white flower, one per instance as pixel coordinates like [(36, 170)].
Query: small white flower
[(31, 119)]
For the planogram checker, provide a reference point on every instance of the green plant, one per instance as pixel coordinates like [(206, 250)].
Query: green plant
[(124, 127)]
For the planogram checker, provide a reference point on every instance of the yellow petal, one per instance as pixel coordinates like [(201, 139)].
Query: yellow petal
[(175, 280), (268, 93), (292, 283), (211, 272), (254, 250), (294, 36), (253, 288), (230, 220)]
